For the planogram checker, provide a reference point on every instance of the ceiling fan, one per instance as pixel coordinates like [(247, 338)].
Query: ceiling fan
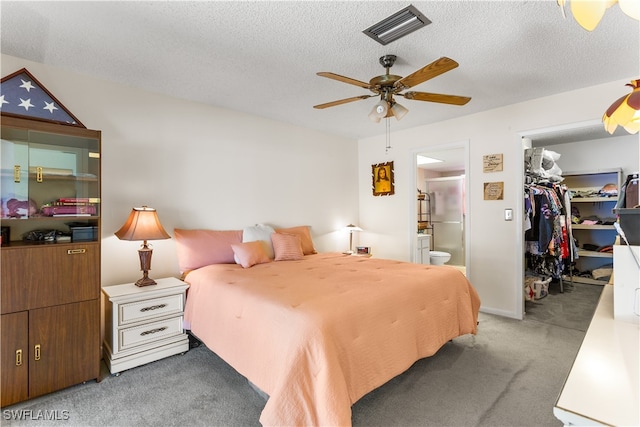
[(388, 85)]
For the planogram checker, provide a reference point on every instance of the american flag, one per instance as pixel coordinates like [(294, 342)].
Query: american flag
[(22, 95)]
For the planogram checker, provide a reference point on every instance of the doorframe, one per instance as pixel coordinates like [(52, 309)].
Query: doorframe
[(413, 224), (519, 211)]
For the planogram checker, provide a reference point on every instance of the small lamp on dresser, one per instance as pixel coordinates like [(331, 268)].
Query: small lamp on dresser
[(143, 224), (351, 228)]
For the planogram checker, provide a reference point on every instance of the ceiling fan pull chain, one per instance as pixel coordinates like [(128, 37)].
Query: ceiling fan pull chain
[(388, 135)]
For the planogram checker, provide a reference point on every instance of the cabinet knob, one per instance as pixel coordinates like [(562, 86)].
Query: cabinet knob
[(19, 357), (39, 173), (36, 354), (16, 173)]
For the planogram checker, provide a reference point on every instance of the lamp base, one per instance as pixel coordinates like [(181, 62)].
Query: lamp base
[(145, 281), (145, 265)]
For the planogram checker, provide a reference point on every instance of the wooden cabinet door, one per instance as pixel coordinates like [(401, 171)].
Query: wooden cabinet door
[(64, 274), (44, 275), (14, 277), (64, 346), (15, 357)]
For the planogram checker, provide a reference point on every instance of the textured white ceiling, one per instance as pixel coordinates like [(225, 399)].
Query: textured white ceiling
[(261, 57)]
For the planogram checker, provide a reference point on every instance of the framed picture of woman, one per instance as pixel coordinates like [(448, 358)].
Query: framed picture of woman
[(382, 177)]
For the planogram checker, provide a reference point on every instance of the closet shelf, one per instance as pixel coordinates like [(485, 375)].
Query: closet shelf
[(593, 199), (594, 254), (592, 227)]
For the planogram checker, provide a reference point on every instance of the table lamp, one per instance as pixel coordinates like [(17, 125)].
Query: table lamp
[(351, 228), (143, 224)]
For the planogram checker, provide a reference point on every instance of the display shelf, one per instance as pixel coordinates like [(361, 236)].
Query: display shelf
[(597, 206), (50, 294)]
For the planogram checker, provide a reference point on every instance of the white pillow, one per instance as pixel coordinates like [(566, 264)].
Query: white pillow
[(260, 232)]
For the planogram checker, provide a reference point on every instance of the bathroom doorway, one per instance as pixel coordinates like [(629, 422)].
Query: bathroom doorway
[(441, 202)]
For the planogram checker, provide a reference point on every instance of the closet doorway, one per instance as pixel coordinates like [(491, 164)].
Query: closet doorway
[(439, 208), (585, 149)]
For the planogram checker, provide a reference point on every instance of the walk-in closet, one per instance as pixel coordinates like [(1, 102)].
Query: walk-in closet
[(573, 179)]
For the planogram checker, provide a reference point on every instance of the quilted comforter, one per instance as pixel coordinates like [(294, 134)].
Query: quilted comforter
[(319, 333)]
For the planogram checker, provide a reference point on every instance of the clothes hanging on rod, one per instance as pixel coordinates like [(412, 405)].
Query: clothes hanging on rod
[(550, 248)]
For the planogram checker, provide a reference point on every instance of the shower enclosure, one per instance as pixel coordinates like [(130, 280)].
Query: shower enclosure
[(447, 216)]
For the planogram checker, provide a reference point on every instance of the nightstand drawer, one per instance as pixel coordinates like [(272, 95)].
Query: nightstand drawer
[(149, 309), (150, 332)]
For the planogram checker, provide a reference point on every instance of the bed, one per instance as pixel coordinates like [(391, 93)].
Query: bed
[(320, 330)]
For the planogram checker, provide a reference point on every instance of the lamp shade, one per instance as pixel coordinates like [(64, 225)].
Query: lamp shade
[(379, 111), (625, 111), (589, 13), (631, 8), (398, 111), (352, 227), (142, 224)]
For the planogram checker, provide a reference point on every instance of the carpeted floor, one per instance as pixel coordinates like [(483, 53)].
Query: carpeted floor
[(509, 374), (571, 309)]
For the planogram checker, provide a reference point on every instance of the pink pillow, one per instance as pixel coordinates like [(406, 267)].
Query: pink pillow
[(250, 253), (287, 247), (305, 237), (197, 248)]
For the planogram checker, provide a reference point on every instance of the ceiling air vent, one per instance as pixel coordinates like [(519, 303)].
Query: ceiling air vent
[(397, 25)]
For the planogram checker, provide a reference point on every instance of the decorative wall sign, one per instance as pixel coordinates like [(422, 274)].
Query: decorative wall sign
[(494, 190), (21, 95), (382, 179), (492, 163)]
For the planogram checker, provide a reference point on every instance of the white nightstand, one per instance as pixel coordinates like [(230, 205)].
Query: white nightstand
[(143, 324)]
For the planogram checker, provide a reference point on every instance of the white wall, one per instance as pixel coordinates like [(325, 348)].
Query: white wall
[(203, 167), (615, 152), (495, 245)]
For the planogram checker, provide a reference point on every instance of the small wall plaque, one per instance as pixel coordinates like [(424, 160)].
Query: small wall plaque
[(494, 190), (492, 163)]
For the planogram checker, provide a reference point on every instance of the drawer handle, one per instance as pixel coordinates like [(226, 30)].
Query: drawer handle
[(153, 307), (39, 174), (153, 331), (76, 251), (19, 357), (36, 355)]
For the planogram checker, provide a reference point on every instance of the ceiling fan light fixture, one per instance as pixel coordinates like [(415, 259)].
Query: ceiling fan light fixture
[(625, 111), (397, 25), (379, 111), (398, 111), (373, 117), (589, 13), (630, 8)]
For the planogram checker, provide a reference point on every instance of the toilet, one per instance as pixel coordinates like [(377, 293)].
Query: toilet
[(439, 258)]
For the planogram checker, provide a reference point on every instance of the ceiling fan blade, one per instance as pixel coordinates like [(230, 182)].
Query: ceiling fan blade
[(436, 97), (437, 67), (342, 101), (344, 79)]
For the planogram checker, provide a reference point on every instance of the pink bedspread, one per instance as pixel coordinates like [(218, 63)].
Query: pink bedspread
[(318, 334)]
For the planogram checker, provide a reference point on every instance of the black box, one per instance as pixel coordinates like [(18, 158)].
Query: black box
[(6, 236), (630, 224), (87, 233)]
